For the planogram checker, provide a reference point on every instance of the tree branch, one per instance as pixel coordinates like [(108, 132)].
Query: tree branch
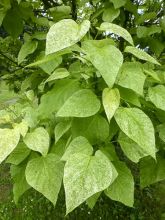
[(74, 10)]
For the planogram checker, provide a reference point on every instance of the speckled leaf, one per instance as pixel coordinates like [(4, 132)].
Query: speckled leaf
[(140, 54), (157, 96), (111, 101), (45, 174), (18, 154), (20, 183), (108, 60), (122, 189), (9, 139), (116, 29), (132, 77), (82, 103), (84, 176), (65, 33), (21, 127), (131, 149), (78, 145), (60, 129), (138, 127), (38, 140)]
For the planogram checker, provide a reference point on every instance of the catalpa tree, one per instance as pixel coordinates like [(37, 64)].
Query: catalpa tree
[(82, 97)]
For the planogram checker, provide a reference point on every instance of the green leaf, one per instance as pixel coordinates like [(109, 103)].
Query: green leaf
[(59, 147), (132, 77), (60, 129), (38, 140), (47, 63), (2, 15), (53, 100), (84, 176), (140, 54), (157, 96), (60, 12), (58, 74), (65, 33), (13, 22), (113, 128), (95, 128), (19, 1), (92, 200), (18, 154), (110, 14), (161, 130), (129, 96), (131, 149), (8, 142), (108, 60), (116, 29), (146, 16), (152, 171), (27, 48), (39, 36), (82, 103), (152, 73), (20, 184), (122, 189), (45, 174), (111, 101), (138, 127), (109, 151), (143, 31), (77, 145), (118, 3)]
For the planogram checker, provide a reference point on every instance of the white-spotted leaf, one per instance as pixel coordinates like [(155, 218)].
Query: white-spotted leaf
[(82, 103), (84, 176), (65, 33), (78, 145), (60, 129), (38, 140), (132, 77), (108, 60), (131, 149), (138, 127), (9, 139), (118, 30), (157, 96), (140, 54), (45, 174)]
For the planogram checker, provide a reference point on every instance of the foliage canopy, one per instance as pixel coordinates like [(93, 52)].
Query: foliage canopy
[(82, 97)]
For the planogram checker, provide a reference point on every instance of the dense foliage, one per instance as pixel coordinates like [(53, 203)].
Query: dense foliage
[(82, 97)]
